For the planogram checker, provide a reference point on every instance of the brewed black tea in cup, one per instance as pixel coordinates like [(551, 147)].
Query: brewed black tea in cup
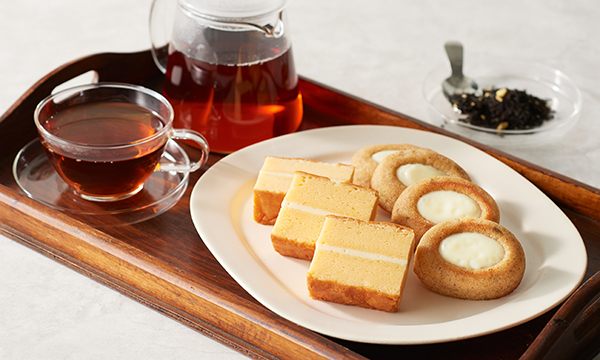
[(105, 140)]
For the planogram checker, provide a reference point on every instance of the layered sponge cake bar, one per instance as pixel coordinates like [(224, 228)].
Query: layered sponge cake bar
[(307, 202), (362, 263), (275, 178)]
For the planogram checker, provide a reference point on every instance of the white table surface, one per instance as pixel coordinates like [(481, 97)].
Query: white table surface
[(379, 50)]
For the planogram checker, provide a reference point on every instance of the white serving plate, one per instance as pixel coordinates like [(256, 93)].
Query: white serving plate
[(221, 209)]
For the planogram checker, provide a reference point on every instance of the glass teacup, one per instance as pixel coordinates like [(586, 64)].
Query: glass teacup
[(105, 140)]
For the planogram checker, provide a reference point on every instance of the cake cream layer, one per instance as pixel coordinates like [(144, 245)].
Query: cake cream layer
[(309, 200), (308, 209), (361, 254), (381, 276), (276, 173)]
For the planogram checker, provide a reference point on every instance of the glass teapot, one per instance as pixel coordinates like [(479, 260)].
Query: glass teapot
[(229, 69)]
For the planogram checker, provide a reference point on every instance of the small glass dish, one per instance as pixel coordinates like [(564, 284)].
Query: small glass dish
[(538, 80)]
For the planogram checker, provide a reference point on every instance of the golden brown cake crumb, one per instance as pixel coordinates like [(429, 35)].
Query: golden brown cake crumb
[(307, 202), (275, 177), (361, 263)]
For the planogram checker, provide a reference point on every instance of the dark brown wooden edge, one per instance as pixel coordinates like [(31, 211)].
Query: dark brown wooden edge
[(574, 330)]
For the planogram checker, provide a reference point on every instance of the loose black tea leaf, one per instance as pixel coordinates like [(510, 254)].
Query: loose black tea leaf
[(503, 109)]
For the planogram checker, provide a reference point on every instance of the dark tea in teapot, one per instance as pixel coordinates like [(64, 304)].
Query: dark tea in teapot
[(229, 69), (234, 106)]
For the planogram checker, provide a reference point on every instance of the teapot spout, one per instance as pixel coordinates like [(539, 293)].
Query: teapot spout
[(274, 29)]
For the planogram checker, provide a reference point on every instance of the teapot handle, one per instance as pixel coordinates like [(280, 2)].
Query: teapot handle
[(162, 14)]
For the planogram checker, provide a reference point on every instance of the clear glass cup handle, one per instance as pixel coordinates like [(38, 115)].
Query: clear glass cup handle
[(183, 134)]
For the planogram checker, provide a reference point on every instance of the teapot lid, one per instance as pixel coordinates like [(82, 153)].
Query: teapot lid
[(233, 8)]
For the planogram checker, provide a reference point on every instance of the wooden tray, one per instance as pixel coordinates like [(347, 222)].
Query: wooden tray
[(164, 264)]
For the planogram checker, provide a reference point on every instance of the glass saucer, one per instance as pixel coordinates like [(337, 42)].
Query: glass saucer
[(36, 177), (542, 81)]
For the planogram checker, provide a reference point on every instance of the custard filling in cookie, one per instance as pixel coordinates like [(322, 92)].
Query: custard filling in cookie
[(471, 250), (411, 173), (368, 158), (438, 206), (437, 199), (380, 155)]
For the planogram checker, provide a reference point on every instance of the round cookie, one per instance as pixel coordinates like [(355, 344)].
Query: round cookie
[(406, 210), (386, 179), (464, 282), (365, 164)]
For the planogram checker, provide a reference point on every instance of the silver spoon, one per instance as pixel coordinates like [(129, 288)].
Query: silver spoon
[(457, 83)]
